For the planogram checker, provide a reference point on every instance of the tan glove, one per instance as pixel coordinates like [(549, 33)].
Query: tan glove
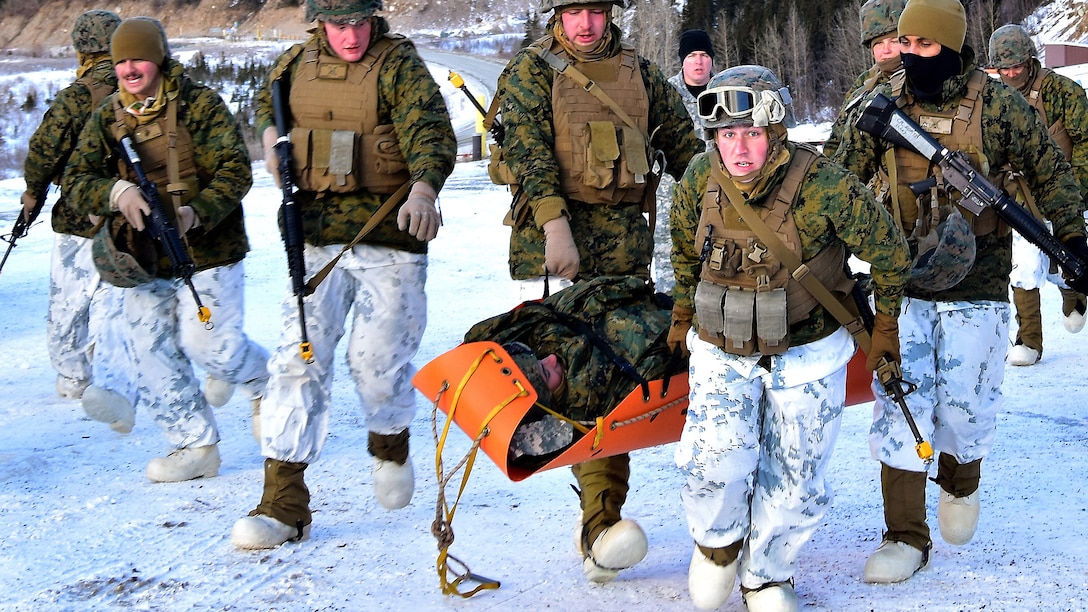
[(126, 198), (271, 160), (29, 202), (187, 219), (678, 331), (418, 214), (560, 254), (885, 341)]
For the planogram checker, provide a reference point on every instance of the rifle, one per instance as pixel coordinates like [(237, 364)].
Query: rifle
[(891, 378), (22, 223), (497, 130), (160, 228), (291, 217), (882, 118)]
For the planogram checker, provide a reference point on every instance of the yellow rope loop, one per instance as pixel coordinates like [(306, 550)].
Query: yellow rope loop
[(442, 526), (600, 432)]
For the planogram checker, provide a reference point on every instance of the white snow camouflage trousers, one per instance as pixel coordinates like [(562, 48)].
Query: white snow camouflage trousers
[(383, 289), (1030, 266), (755, 450), (165, 334), (78, 304), (955, 353)]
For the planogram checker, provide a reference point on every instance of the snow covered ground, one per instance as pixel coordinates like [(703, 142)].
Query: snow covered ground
[(83, 529)]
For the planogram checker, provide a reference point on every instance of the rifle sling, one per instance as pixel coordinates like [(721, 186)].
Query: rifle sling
[(375, 219), (798, 270)]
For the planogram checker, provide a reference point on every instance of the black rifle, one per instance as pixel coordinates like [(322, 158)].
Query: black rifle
[(882, 118), (294, 241), (22, 223), (890, 376), (161, 229)]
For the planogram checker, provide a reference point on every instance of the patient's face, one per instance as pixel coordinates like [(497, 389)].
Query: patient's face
[(552, 371)]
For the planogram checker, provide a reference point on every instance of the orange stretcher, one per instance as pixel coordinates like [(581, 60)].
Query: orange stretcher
[(480, 388)]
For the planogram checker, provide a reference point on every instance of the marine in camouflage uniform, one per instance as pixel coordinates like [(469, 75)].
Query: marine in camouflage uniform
[(690, 40), (625, 314), (761, 427), (954, 340), (1064, 108), (165, 332), (879, 32), (555, 230), (78, 300), (611, 239), (381, 278)]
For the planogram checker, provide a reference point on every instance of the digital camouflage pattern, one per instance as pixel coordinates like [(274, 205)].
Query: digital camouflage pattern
[(341, 11), (864, 83), (624, 311), (612, 240), (945, 256), (409, 99), (1064, 100), (220, 156), (92, 30), (1012, 134), (879, 18), (758, 79), (1010, 46), (52, 143), (690, 103), (831, 207), (548, 5)]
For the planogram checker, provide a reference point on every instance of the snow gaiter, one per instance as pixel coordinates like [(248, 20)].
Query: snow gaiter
[(1072, 301), (391, 447), (959, 479), (285, 496), (603, 485), (904, 506), (1029, 318)]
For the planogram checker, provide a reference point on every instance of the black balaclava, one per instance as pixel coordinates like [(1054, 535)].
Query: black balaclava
[(926, 75)]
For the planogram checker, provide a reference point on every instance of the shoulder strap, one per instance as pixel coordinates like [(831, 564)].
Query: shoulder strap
[(564, 68), (798, 270)]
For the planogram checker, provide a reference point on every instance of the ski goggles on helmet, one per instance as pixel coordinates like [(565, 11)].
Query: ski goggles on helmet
[(735, 102)]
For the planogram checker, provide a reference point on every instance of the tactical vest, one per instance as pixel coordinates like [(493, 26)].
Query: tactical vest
[(601, 159), (747, 298), (1057, 129), (959, 128), (160, 143), (338, 144)]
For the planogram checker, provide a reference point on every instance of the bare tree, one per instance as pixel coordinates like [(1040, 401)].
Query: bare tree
[(651, 28)]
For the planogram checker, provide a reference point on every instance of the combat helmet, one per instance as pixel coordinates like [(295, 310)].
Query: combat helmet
[(1010, 46), (745, 95), (549, 5), (945, 255), (879, 18), (123, 256), (341, 12), (92, 30)]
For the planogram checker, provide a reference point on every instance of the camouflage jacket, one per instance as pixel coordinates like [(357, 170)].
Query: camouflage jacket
[(690, 103), (622, 310), (1065, 100), (53, 142), (526, 86), (831, 207), (408, 98), (224, 173), (1012, 134), (860, 87)]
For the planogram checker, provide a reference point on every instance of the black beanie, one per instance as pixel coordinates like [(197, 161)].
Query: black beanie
[(695, 40)]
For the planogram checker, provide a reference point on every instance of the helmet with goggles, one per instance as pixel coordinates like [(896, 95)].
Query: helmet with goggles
[(745, 95)]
